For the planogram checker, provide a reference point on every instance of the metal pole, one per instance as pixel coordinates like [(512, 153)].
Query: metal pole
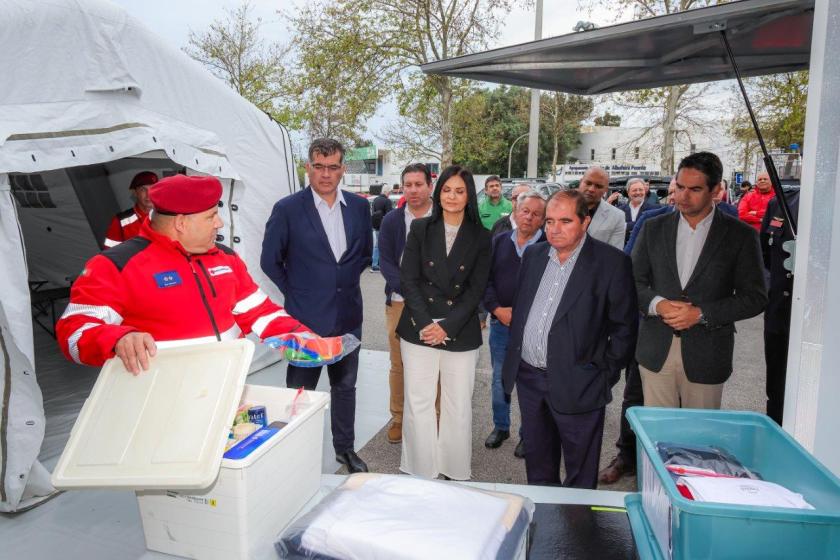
[(510, 153), (534, 130), (768, 160)]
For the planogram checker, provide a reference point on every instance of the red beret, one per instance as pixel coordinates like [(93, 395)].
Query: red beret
[(142, 179), (180, 194)]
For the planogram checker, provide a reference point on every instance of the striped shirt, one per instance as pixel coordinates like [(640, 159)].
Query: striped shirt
[(544, 307)]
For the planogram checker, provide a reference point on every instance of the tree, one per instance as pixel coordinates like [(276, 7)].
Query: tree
[(337, 34), (234, 52), (779, 101), (485, 124), (679, 107), (608, 119), (561, 115), (742, 132)]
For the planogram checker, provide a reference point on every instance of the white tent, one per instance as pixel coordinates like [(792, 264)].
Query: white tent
[(89, 98)]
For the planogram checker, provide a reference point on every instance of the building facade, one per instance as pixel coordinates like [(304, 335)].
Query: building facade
[(627, 151)]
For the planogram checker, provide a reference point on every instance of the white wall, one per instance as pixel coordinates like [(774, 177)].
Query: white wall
[(603, 139)]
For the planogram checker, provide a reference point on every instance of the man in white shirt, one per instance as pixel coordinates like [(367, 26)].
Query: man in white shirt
[(697, 272), (317, 243), (417, 189), (636, 205)]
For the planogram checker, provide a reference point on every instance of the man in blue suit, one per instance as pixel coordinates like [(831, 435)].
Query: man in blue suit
[(317, 243), (573, 330)]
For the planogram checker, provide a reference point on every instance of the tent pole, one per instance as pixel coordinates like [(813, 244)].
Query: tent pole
[(790, 220)]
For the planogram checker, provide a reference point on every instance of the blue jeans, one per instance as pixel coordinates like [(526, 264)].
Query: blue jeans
[(499, 336), (375, 260)]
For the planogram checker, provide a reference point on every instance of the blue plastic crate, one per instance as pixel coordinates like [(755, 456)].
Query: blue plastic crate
[(703, 530)]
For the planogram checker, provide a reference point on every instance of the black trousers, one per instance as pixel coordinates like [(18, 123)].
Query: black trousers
[(342, 376), (775, 356), (550, 436), (633, 396)]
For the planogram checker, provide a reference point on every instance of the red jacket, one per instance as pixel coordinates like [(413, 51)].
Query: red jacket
[(151, 284), (124, 226), (757, 202)]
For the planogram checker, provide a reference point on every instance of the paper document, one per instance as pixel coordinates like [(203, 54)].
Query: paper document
[(743, 491)]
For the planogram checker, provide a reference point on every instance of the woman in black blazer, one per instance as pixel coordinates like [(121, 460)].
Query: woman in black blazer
[(443, 274)]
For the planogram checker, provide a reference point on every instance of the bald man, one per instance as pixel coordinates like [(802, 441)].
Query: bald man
[(753, 205), (606, 221)]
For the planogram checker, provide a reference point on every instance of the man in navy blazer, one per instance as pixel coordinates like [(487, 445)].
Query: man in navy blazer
[(317, 243), (573, 330)]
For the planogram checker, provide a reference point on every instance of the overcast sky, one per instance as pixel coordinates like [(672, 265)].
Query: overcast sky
[(174, 19)]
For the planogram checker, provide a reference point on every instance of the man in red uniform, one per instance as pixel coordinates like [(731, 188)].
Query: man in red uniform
[(753, 205), (126, 224), (170, 285)]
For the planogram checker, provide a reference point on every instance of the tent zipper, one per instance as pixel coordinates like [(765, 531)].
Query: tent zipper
[(204, 300)]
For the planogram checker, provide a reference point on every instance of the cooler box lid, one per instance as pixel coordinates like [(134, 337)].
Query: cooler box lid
[(164, 428)]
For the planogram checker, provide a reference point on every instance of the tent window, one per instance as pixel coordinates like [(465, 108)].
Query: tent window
[(31, 191)]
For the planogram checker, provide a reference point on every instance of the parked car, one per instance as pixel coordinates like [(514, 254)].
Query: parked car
[(546, 188)]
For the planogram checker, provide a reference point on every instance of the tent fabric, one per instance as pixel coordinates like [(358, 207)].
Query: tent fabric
[(767, 36), (85, 83), (23, 481)]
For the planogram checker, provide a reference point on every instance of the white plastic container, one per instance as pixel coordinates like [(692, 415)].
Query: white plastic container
[(162, 433), (253, 499)]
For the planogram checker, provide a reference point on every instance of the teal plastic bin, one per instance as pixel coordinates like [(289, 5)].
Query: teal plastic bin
[(666, 525)]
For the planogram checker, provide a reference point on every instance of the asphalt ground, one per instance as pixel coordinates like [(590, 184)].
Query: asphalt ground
[(743, 391)]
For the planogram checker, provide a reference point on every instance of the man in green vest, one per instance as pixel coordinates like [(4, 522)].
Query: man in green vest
[(494, 205)]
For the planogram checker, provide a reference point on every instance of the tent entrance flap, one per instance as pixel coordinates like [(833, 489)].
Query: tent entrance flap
[(65, 213), (30, 152)]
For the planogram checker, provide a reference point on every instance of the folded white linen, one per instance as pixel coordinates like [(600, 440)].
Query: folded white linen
[(405, 518)]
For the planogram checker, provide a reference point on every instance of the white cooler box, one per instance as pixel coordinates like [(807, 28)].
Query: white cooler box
[(163, 433)]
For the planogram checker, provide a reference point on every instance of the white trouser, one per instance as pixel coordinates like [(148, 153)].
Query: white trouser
[(429, 449)]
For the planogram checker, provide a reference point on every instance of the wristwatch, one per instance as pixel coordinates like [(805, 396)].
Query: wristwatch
[(702, 319)]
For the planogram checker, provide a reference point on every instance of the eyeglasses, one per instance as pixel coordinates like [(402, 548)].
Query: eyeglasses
[(321, 168)]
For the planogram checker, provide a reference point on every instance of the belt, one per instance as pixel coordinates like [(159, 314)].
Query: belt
[(535, 368)]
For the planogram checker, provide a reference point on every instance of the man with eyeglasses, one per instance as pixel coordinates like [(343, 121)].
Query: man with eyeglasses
[(317, 243), (508, 248)]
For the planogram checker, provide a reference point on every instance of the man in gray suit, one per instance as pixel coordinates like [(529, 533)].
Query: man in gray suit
[(607, 222), (697, 271)]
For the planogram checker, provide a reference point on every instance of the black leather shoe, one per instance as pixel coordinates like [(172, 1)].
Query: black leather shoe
[(496, 438), (352, 461), (519, 452)]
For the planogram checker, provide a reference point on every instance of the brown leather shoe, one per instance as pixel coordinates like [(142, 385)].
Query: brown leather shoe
[(395, 433), (616, 469)]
